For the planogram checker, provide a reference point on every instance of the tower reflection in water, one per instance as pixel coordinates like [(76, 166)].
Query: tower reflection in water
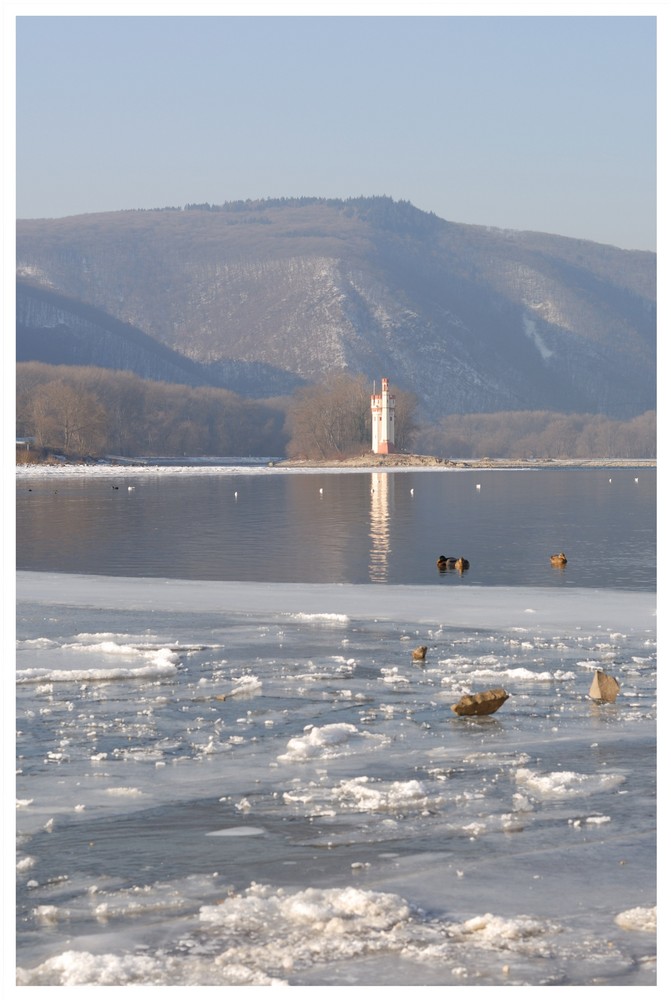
[(381, 497)]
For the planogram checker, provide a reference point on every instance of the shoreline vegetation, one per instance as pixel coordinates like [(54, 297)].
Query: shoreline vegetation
[(90, 413)]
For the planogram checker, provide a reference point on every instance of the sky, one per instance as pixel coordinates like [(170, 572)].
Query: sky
[(503, 119)]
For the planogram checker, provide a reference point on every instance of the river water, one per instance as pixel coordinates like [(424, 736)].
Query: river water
[(231, 771), (354, 527)]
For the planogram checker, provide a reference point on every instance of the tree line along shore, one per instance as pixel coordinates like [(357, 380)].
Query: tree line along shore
[(85, 413)]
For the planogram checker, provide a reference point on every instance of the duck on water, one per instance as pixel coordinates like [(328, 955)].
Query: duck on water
[(452, 562)]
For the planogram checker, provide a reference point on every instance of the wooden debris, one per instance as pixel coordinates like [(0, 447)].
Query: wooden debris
[(604, 687), (482, 703)]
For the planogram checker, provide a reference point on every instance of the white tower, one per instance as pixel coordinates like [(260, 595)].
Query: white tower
[(382, 412)]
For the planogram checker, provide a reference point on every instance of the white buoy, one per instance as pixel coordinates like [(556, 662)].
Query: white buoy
[(477, 486)]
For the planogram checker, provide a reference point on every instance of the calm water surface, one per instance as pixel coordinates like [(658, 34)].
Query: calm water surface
[(348, 528)]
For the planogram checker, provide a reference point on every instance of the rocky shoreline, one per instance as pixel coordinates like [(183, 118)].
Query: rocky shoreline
[(369, 460)]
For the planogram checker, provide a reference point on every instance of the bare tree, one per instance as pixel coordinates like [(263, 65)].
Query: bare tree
[(65, 418), (405, 420), (331, 419)]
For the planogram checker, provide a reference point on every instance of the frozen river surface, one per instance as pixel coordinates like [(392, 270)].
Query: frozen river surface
[(235, 784)]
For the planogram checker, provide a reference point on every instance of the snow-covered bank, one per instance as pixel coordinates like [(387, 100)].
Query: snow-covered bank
[(372, 464)]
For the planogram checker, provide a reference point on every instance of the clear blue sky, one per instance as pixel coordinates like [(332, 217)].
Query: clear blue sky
[(545, 123)]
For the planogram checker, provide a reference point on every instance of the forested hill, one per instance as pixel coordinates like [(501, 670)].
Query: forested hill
[(59, 330), (260, 297)]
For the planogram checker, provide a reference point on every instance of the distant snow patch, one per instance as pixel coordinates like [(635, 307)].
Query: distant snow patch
[(535, 337)]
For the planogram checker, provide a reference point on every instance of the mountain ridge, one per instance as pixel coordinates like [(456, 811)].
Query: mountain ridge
[(262, 297)]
